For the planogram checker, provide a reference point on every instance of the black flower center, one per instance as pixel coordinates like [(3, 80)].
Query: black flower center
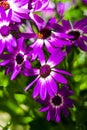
[(4, 30), (44, 33), (45, 71), (19, 59), (75, 34), (57, 100), (5, 5)]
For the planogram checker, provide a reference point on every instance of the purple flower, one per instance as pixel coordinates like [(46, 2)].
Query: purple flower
[(78, 32), (46, 36), (47, 75), (6, 39), (57, 103), (17, 60), (19, 8)]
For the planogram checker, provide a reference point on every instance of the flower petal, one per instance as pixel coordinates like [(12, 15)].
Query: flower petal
[(31, 84), (82, 44), (2, 46), (43, 109), (59, 56), (15, 73), (36, 90), (59, 78)]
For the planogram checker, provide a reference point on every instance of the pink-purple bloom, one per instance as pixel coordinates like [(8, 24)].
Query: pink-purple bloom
[(7, 41), (46, 37), (47, 75), (19, 8), (59, 102), (77, 30), (17, 60)]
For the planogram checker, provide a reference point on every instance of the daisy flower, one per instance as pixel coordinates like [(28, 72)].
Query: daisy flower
[(59, 102), (78, 32), (6, 39), (17, 60), (47, 75), (45, 36), (19, 8)]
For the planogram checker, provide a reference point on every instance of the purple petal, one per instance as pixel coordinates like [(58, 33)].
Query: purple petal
[(38, 20), (51, 22), (20, 42), (2, 46), (9, 15), (27, 64), (53, 85), (49, 47), (80, 24), (58, 28), (57, 115), (69, 102), (31, 84), (65, 91), (28, 35), (4, 63), (37, 48), (66, 24), (8, 70), (62, 71), (59, 78), (49, 87), (84, 38), (3, 14), (65, 111), (30, 72), (59, 56), (36, 90), (48, 116), (15, 18), (43, 91), (9, 46), (41, 58), (58, 42), (13, 41), (82, 44), (43, 109), (15, 73)]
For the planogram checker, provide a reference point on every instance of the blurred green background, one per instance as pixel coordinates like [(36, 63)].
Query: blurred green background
[(18, 110)]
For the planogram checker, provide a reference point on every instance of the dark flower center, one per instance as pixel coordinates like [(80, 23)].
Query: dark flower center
[(57, 100), (5, 5), (4, 30), (19, 58), (45, 71), (75, 34), (44, 33)]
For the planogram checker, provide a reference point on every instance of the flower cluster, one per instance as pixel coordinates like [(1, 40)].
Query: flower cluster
[(46, 41)]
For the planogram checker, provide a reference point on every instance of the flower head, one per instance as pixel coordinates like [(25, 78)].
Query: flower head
[(46, 36), (57, 103), (19, 8), (6, 38), (17, 60), (47, 75), (77, 30)]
